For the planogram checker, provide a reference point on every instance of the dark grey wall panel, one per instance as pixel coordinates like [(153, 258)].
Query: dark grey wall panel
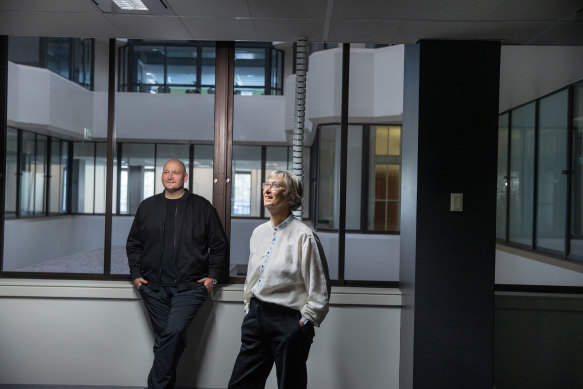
[(447, 258)]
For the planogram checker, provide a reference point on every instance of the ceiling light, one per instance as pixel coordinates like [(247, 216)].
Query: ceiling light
[(131, 5)]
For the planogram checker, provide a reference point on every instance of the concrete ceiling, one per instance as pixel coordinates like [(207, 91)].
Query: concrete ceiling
[(515, 22)]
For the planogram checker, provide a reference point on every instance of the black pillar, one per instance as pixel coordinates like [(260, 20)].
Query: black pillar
[(447, 257)]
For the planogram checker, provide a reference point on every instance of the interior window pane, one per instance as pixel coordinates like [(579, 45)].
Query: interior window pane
[(249, 71), (576, 242), (58, 176), (552, 164), (27, 174), (137, 161), (149, 68), (246, 189), (100, 177), (384, 178), (59, 55), (329, 182), (83, 177), (522, 174), (181, 66), (11, 173), (202, 171), (502, 177), (208, 70), (354, 178)]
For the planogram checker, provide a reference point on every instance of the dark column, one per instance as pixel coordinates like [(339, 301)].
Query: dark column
[(447, 257)]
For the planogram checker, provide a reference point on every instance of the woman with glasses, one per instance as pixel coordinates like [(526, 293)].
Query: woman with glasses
[(286, 294)]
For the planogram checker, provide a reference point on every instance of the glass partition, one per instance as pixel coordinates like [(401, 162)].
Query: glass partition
[(52, 169), (522, 134), (576, 241), (502, 177), (552, 166)]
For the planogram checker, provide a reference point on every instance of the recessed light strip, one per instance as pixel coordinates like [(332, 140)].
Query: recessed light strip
[(131, 5)]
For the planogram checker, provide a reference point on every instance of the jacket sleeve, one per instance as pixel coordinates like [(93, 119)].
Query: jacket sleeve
[(217, 243), (316, 279), (135, 247)]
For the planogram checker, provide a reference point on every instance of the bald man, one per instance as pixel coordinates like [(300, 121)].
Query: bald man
[(176, 251)]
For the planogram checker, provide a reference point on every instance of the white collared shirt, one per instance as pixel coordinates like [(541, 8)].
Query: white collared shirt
[(287, 267)]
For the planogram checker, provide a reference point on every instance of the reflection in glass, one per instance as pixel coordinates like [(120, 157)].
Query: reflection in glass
[(137, 176), (552, 182), (11, 173), (58, 54), (58, 176), (502, 177), (33, 159), (520, 218), (246, 188), (576, 245), (83, 180), (250, 71), (202, 171)]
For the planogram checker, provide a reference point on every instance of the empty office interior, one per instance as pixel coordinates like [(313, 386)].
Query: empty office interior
[(89, 118)]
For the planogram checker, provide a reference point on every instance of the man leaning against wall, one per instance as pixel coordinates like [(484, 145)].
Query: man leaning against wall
[(176, 250)]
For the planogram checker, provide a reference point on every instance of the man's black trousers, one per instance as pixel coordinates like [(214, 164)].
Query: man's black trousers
[(272, 333), (171, 313)]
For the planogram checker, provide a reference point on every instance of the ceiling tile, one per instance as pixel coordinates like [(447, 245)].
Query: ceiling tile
[(568, 33), (462, 10), (210, 8), (298, 9), (535, 10), (285, 30), (48, 6), (220, 28), (150, 27), (371, 9), (55, 24), (507, 32), (370, 31)]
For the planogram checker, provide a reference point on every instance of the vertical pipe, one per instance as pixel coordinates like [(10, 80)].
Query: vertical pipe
[(300, 114)]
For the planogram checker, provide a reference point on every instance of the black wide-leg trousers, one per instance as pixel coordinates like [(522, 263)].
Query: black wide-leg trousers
[(171, 313), (272, 333)]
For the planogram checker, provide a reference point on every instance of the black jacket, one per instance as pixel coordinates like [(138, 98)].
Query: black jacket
[(201, 244)]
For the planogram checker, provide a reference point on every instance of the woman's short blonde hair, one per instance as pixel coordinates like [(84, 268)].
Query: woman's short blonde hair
[(293, 187)]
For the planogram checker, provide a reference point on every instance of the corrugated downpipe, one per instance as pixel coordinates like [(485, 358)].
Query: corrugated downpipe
[(300, 114)]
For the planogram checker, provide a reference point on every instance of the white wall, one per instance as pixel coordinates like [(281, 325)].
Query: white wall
[(529, 72), (97, 333)]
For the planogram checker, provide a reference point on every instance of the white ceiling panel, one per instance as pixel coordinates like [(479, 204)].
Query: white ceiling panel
[(461, 10), (372, 9), (220, 28), (569, 33), (69, 25), (308, 9), (414, 31), (48, 5), (535, 10), (288, 29), (383, 31), (210, 8), (150, 27)]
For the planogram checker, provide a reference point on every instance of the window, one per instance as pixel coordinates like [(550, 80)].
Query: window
[(71, 58), (11, 173), (534, 199), (385, 178), (246, 192), (137, 175), (502, 177), (33, 157), (83, 180), (189, 67), (58, 176), (378, 194), (521, 186), (576, 242), (551, 168)]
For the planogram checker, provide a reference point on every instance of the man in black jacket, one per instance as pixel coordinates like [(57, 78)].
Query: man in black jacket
[(176, 251)]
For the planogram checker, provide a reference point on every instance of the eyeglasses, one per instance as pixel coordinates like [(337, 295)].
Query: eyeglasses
[(272, 185)]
